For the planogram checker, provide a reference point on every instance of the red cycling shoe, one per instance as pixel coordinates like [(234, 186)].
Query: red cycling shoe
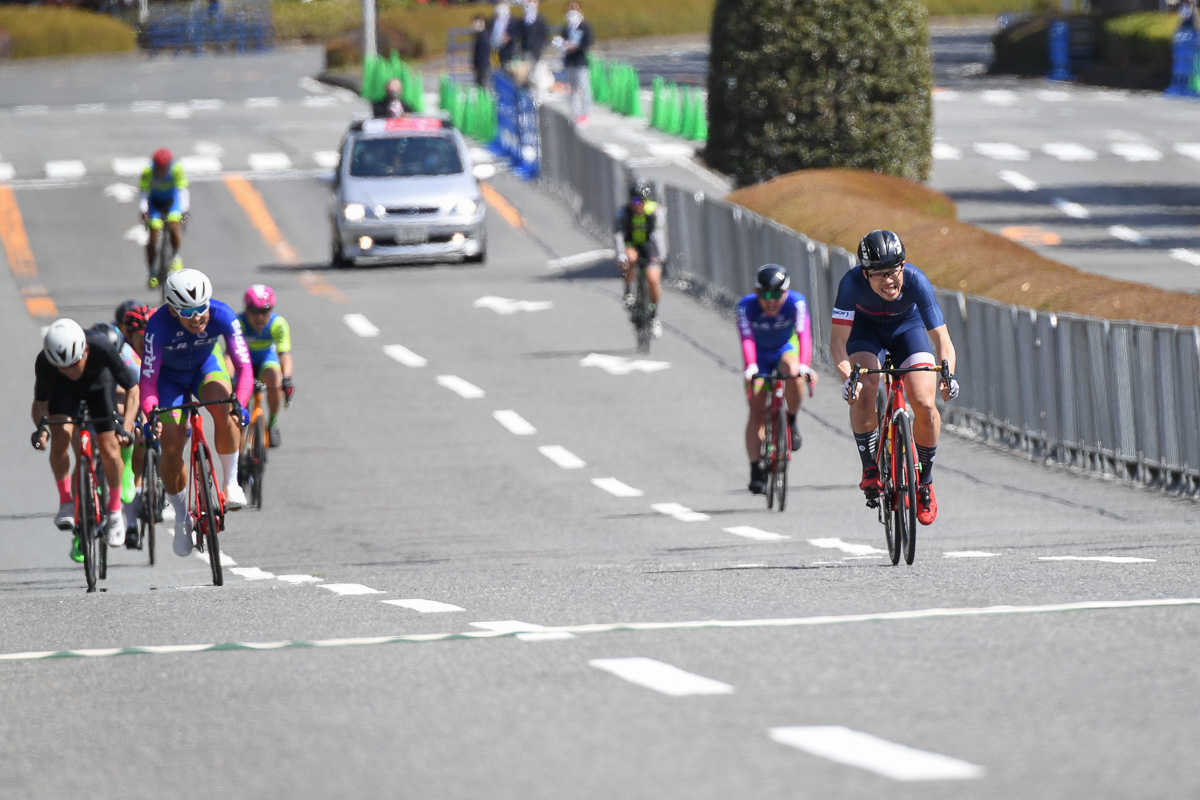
[(870, 483), (926, 504)]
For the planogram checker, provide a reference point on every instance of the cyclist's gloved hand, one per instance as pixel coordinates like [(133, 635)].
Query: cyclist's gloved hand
[(952, 388), (751, 373), (148, 431), (244, 416), (846, 389), (288, 390)]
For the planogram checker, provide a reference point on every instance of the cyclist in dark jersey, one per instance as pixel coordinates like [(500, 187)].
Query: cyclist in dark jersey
[(887, 304), (638, 232)]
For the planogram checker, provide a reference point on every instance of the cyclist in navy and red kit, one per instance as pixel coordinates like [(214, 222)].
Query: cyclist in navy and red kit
[(775, 329), (888, 304), (178, 363)]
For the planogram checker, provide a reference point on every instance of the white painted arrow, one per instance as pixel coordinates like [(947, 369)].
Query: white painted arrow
[(121, 192), (619, 365), (502, 305)]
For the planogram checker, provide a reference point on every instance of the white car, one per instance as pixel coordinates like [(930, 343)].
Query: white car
[(405, 190)]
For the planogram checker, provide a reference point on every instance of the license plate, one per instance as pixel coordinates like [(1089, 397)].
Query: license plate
[(412, 235)]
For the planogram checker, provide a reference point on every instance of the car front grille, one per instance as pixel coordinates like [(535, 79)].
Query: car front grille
[(411, 211)]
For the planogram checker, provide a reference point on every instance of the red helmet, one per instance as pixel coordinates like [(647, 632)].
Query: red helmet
[(259, 296), (162, 158), (132, 316)]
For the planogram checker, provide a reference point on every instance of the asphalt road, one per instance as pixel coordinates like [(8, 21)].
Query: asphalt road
[(623, 618)]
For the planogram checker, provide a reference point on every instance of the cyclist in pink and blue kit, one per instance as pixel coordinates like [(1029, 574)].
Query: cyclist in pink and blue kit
[(178, 363), (775, 330)]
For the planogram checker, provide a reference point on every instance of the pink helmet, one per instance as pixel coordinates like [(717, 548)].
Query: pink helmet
[(260, 296)]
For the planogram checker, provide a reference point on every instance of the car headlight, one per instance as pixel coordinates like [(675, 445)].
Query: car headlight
[(354, 212), (465, 208)]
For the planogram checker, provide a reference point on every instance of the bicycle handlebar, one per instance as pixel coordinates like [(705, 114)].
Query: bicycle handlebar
[(46, 422), (858, 370), (195, 406)]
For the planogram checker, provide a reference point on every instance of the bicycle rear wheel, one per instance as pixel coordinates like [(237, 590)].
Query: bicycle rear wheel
[(148, 508), (906, 488), (85, 521), (783, 455), (641, 313), (209, 508), (768, 459)]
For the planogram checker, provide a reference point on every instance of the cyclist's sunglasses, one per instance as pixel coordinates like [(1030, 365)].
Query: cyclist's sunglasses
[(771, 294), (194, 311)]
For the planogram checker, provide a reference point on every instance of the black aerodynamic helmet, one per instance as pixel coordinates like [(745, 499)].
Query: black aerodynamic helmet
[(772, 278), (639, 190), (880, 250)]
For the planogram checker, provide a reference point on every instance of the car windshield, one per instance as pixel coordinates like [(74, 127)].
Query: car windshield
[(404, 156)]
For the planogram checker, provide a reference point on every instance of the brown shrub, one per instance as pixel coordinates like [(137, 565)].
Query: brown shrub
[(345, 49), (840, 206)]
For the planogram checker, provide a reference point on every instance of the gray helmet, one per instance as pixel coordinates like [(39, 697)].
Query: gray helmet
[(772, 278), (639, 190), (880, 250)]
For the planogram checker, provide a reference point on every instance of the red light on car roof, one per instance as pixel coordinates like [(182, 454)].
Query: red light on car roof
[(413, 124)]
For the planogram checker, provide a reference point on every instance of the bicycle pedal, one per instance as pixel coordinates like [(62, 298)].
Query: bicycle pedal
[(872, 502)]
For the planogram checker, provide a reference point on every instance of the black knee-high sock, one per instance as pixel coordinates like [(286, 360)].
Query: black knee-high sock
[(867, 442), (926, 455)]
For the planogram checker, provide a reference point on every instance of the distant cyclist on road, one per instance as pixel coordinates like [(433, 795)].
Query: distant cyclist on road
[(178, 363), (270, 341), (775, 330), (74, 366), (638, 231), (133, 368), (164, 196), (130, 318), (888, 305)]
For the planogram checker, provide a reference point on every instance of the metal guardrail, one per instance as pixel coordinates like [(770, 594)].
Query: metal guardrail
[(1115, 398), (194, 27)]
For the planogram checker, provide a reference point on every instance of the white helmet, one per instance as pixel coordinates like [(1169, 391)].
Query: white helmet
[(188, 288), (64, 343)]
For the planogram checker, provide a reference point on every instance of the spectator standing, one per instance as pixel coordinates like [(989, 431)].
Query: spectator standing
[(576, 42), (481, 58), (391, 104), (533, 42), (504, 42)]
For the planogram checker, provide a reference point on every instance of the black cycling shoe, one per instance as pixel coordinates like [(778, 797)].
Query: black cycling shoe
[(797, 439), (758, 479), (131, 537)]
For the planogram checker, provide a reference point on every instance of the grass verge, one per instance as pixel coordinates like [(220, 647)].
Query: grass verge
[(46, 31), (841, 206)]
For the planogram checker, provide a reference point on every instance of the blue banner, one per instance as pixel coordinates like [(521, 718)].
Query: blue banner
[(517, 123)]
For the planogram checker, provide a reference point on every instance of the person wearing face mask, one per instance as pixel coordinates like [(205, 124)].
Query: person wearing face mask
[(504, 38), (533, 42), (576, 42), (391, 105), (481, 56)]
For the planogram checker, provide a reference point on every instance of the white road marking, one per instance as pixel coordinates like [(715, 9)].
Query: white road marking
[(128, 167), (179, 111), (1135, 151), (681, 513), (946, 152), (209, 149), (269, 162), (1053, 96), (424, 606), (755, 533), (65, 169), (90, 108), (619, 365), (298, 578), (144, 106), (200, 165), (1105, 559), (349, 588), (327, 159), (968, 554), (896, 761), (405, 356), (31, 109), (1189, 149), (578, 259), (1072, 210), (562, 456), (525, 631), (1127, 234), (1188, 256), (226, 561), (1001, 151), (262, 102), (1069, 151), (660, 677), (504, 306), (319, 101), (616, 487), (361, 325), (460, 387), (206, 105), (616, 151), (6, 171), (1000, 97), (1018, 181), (138, 234), (546, 636), (847, 547), (671, 150), (515, 423), (121, 192), (252, 573)]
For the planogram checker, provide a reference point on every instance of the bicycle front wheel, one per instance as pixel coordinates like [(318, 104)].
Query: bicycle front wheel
[(208, 507), (906, 487), (768, 460), (887, 498), (148, 507), (641, 314), (258, 458), (783, 454), (85, 521)]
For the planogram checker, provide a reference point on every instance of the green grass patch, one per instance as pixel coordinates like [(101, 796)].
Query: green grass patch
[(46, 31), (841, 206)]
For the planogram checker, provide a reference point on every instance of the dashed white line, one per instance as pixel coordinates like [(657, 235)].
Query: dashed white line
[(128, 167), (6, 171), (269, 162), (31, 109), (1000, 97), (506, 307), (525, 631), (562, 456), (1069, 151), (361, 325), (660, 677), (1187, 256), (846, 547), (1135, 151), (1053, 96), (515, 423), (1104, 559), (206, 105), (405, 356), (298, 578), (1018, 181), (580, 258), (1188, 149), (1072, 210), (349, 588), (1001, 151), (968, 554), (1127, 234), (856, 749), (460, 387), (65, 169), (262, 102), (681, 513), (253, 573), (756, 533), (121, 192), (201, 164), (616, 487), (327, 159), (226, 561), (145, 106), (319, 101), (946, 152), (179, 111), (90, 108), (424, 606)]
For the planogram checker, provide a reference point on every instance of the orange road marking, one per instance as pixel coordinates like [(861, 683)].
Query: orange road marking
[(41, 306), (12, 230), (501, 205), (252, 203), (1031, 234), (316, 284)]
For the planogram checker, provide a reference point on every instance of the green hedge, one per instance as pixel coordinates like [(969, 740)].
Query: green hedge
[(46, 31)]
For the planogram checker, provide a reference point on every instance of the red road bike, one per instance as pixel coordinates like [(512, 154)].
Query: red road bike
[(776, 450)]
